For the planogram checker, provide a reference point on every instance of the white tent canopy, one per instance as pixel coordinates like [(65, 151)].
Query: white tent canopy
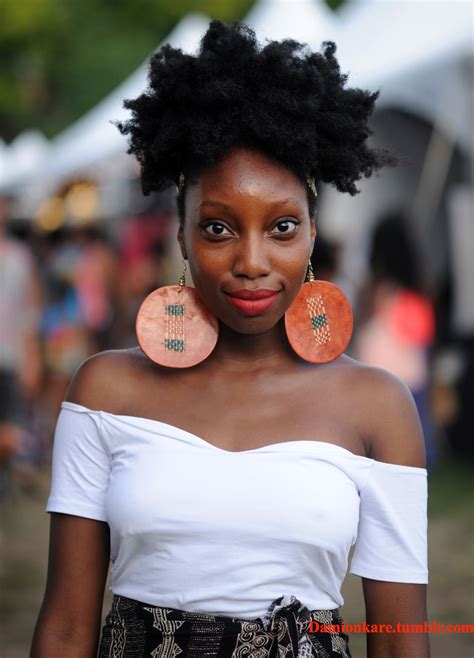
[(405, 47), (392, 37), (93, 137), (420, 55), (308, 21), (22, 157), (416, 52)]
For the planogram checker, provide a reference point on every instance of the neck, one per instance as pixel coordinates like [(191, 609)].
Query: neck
[(247, 351)]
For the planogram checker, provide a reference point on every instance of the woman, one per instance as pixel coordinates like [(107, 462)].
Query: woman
[(399, 329), (228, 490)]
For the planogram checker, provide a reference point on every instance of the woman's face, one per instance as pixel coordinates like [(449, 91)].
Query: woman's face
[(247, 228)]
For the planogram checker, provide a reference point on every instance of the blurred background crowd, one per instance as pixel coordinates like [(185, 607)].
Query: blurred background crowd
[(80, 247)]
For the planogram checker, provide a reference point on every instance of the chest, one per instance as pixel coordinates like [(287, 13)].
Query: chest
[(244, 413), (164, 482)]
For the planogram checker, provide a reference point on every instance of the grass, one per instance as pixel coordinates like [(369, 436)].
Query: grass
[(24, 545)]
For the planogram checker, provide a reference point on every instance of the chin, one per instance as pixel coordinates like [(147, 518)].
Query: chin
[(252, 325)]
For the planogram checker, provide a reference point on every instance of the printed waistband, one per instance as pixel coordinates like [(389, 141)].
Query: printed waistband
[(134, 629)]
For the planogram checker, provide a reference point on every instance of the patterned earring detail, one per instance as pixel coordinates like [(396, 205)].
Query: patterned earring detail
[(319, 321), (174, 328)]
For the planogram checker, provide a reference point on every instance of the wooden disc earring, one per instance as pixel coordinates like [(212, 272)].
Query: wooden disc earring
[(319, 321), (174, 328)]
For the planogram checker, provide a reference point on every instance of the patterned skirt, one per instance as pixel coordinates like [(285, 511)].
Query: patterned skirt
[(137, 630)]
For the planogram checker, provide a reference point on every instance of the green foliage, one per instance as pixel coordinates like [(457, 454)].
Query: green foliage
[(61, 57), (334, 4)]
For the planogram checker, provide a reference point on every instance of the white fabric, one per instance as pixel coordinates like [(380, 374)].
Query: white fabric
[(202, 529)]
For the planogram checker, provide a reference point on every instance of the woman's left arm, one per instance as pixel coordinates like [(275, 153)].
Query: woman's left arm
[(395, 606), (396, 437)]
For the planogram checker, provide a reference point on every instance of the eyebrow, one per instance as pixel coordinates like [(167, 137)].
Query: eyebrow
[(220, 204)]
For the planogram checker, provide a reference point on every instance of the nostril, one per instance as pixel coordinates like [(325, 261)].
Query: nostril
[(252, 267)]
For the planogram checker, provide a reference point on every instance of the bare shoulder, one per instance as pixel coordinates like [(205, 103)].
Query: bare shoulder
[(106, 379), (390, 416)]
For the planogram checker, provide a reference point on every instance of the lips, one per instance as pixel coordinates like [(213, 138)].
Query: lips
[(252, 302), (261, 293)]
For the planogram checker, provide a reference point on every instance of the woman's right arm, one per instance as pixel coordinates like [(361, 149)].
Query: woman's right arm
[(69, 620)]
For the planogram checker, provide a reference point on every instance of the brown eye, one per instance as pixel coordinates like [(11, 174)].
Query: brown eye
[(286, 226), (216, 228)]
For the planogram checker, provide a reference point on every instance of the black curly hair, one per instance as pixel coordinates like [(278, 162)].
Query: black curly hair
[(281, 99)]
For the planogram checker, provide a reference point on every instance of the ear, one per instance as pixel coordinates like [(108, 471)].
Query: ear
[(314, 232), (181, 241)]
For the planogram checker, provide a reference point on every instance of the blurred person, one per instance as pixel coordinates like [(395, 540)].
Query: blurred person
[(95, 279), (398, 331), (20, 350), (81, 291), (142, 254), (226, 465), (324, 258), (65, 339)]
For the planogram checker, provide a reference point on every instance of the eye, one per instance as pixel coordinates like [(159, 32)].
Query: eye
[(215, 228), (286, 226)]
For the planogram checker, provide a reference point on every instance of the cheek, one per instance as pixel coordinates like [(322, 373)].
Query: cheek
[(207, 261), (294, 262), (207, 269), (210, 264)]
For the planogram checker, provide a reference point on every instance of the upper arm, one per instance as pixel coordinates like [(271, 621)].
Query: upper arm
[(393, 424), (79, 543), (395, 603), (396, 437), (71, 612)]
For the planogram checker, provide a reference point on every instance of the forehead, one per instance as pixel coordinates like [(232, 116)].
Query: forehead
[(250, 173)]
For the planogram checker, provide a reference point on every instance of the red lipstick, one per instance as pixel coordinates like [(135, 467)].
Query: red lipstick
[(252, 302)]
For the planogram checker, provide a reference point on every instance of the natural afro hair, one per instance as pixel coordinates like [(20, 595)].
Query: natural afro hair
[(282, 99)]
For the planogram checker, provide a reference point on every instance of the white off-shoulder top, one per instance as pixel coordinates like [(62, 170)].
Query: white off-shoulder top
[(199, 528)]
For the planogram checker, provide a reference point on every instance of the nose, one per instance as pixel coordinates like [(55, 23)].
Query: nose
[(251, 258)]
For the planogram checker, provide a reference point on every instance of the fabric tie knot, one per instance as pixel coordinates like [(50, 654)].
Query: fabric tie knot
[(287, 619)]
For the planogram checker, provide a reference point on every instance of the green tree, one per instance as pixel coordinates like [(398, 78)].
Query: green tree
[(61, 57)]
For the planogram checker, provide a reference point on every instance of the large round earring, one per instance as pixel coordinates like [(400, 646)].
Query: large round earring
[(319, 321), (174, 328)]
